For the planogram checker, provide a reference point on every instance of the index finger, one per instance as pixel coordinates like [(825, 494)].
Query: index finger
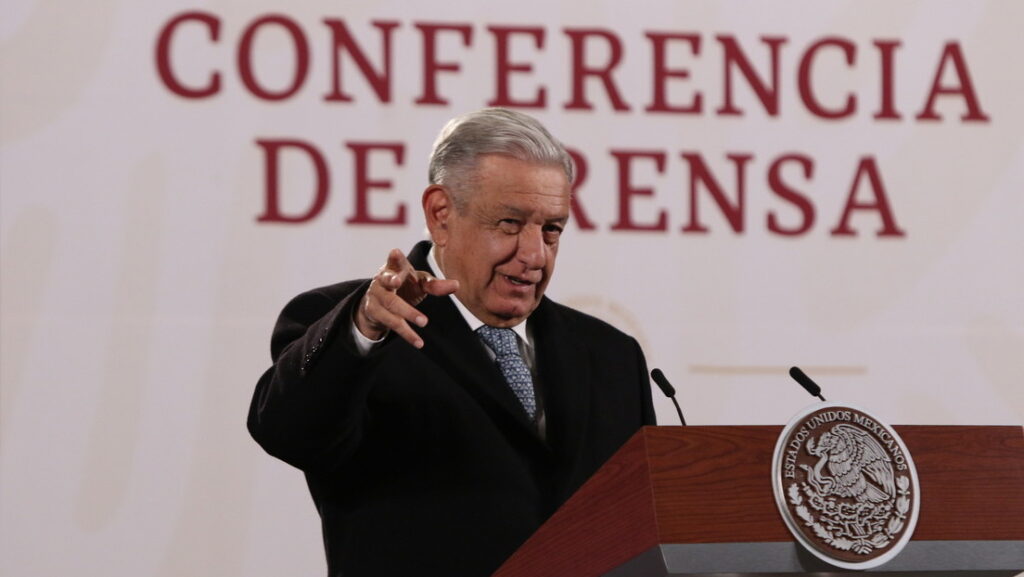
[(397, 261), (395, 271)]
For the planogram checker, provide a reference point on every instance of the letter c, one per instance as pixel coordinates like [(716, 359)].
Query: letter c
[(163, 60)]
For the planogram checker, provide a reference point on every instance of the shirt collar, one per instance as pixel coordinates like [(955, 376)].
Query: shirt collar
[(473, 322)]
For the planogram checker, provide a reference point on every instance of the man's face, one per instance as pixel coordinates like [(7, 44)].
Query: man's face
[(501, 246)]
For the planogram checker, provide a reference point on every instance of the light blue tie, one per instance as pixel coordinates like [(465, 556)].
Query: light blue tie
[(505, 345)]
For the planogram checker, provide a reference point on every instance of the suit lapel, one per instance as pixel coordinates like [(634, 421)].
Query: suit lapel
[(564, 365)]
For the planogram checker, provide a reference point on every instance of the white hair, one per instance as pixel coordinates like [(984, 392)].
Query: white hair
[(492, 131)]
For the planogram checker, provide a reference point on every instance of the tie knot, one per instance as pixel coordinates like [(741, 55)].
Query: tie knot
[(501, 341)]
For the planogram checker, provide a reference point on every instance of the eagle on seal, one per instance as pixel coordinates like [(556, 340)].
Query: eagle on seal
[(858, 466)]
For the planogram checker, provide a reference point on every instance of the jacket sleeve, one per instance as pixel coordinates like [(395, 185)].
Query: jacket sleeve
[(309, 406)]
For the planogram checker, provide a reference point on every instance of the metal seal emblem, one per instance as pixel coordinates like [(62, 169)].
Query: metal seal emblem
[(846, 486)]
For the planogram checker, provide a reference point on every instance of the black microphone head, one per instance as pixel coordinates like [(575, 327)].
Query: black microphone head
[(663, 384), (805, 381)]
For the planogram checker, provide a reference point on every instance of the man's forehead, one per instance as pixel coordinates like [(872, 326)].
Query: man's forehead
[(502, 164)]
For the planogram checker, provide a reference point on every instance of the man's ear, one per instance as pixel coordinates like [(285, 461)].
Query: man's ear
[(438, 207)]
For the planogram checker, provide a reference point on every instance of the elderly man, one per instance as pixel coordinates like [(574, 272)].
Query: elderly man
[(444, 409)]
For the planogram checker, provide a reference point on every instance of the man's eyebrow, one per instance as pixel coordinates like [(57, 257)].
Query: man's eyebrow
[(519, 213), (512, 209)]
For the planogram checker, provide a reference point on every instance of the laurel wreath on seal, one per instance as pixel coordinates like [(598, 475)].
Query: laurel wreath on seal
[(826, 531)]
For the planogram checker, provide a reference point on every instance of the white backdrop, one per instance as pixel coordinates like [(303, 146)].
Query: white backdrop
[(139, 286)]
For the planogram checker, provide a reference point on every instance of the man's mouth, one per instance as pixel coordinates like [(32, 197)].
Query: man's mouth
[(518, 281)]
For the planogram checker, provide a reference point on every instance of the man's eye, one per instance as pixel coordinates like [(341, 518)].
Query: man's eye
[(509, 225), (552, 232)]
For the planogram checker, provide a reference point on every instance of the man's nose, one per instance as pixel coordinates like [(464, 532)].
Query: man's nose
[(531, 250)]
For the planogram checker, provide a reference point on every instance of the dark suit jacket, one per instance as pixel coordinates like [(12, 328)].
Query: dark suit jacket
[(423, 462)]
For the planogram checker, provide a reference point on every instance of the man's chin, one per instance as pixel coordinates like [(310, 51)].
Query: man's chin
[(510, 315)]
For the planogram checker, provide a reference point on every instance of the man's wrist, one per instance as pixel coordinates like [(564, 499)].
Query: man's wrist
[(364, 344)]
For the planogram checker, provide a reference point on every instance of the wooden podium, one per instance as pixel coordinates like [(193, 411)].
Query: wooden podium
[(699, 501)]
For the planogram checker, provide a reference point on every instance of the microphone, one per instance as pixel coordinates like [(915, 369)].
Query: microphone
[(806, 382), (670, 392)]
